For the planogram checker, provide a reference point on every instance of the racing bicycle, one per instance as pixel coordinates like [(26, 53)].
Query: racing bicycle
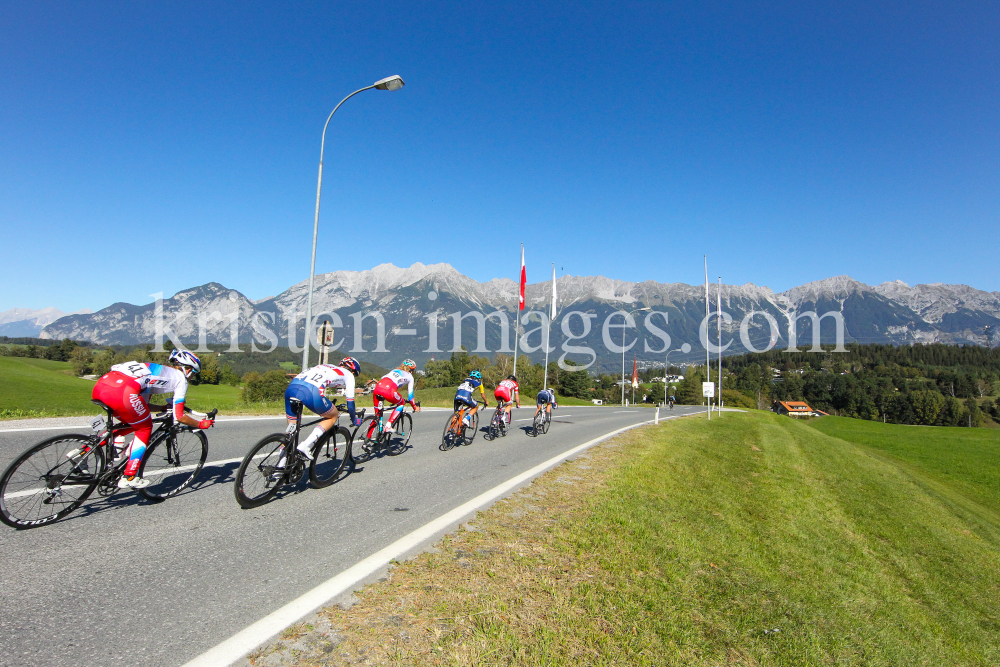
[(499, 423), (56, 476), (540, 424), (373, 433), (275, 461), (456, 431)]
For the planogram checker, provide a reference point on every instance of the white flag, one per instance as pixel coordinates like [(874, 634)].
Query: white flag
[(552, 315)]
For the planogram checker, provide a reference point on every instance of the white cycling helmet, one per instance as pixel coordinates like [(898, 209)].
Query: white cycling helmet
[(185, 358)]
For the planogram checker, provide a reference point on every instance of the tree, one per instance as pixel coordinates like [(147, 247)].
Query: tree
[(926, 406), (267, 387), (689, 390), (229, 377), (81, 360), (973, 414), (575, 383)]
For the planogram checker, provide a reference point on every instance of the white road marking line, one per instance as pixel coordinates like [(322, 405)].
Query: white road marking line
[(234, 648), (533, 419)]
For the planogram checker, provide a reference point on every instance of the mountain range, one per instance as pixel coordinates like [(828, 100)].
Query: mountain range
[(22, 322), (409, 299)]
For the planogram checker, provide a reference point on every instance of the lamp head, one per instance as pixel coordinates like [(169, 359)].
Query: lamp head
[(394, 82)]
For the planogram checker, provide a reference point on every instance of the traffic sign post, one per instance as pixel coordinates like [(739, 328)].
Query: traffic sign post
[(708, 391), (324, 336)]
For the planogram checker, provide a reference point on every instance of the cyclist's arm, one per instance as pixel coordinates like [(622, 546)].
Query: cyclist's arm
[(482, 391)]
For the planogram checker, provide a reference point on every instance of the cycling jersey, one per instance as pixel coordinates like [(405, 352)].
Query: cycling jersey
[(309, 388), (505, 390), (325, 375), (546, 396), (399, 378), (466, 389), (156, 379)]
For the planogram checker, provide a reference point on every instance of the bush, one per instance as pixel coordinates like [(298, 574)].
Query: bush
[(259, 388), (81, 360)]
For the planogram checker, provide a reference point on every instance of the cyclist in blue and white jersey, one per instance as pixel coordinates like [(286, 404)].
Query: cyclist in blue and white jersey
[(464, 394), (546, 399), (310, 386)]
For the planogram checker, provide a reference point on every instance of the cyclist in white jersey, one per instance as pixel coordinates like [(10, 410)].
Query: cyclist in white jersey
[(309, 387), (387, 389)]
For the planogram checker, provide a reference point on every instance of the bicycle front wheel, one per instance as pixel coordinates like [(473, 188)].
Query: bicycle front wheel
[(259, 476), (536, 425), (44, 484), (399, 437), (171, 463), (364, 440), (329, 457), (545, 424)]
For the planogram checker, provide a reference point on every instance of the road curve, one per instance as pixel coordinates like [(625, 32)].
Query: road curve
[(125, 582)]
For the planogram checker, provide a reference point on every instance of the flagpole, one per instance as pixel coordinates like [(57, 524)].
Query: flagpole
[(548, 330), (719, 317), (517, 311), (708, 358)]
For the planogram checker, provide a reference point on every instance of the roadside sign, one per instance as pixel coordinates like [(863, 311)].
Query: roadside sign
[(708, 389)]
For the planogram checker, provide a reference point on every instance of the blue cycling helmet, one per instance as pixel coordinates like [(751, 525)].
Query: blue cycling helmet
[(476, 375)]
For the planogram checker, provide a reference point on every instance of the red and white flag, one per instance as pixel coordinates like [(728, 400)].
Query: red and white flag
[(524, 281), (635, 375)]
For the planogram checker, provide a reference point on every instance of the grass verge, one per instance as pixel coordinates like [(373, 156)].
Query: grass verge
[(749, 540)]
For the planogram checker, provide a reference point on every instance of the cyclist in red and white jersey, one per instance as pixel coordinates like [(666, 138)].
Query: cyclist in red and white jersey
[(126, 389), (387, 389), (309, 387), (505, 391)]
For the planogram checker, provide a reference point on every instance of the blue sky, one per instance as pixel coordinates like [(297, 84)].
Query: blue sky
[(151, 147)]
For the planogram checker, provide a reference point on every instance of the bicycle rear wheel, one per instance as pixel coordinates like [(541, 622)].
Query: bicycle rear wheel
[(259, 476), (536, 424), (452, 432), (44, 485), (171, 463), (472, 428), (360, 438), (399, 437), (329, 457)]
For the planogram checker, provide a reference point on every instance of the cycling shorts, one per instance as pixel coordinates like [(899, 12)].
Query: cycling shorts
[(502, 394), (309, 395), (387, 390), (464, 400), (123, 395), (543, 398)]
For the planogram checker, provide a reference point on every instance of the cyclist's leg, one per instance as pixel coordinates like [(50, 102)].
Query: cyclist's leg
[(312, 399)]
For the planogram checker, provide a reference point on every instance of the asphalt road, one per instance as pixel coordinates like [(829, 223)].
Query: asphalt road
[(125, 582)]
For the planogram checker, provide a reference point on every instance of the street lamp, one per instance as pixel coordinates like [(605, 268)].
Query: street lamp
[(683, 349), (394, 82), (637, 310)]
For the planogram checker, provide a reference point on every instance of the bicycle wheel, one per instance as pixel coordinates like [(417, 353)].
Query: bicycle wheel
[(44, 485), (329, 457), (360, 439), (493, 431), (452, 431), (399, 436), (536, 424), (171, 463), (259, 476), (472, 428), (546, 420)]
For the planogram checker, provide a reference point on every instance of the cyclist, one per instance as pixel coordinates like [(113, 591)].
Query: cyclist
[(309, 387), (547, 399), (505, 391), (671, 401), (126, 389), (464, 394), (387, 389)]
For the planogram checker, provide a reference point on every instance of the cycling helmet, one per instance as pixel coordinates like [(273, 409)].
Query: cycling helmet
[(408, 365), (512, 377), (351, 364), (476, 375), (185, 358)]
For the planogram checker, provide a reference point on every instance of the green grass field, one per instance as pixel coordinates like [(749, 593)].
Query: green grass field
[(748, 540), (39, 387), (960, 458)]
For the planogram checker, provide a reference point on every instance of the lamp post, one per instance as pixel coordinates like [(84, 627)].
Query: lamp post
[(637, 310), (394, 82), (683, 349)]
